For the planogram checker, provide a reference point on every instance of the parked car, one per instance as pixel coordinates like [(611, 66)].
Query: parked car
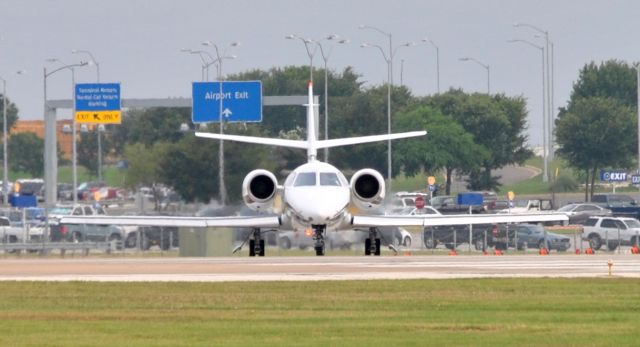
[(451, 236), (528, 205), (413, 211), (343, 239), (608, 230), (8, 233), (620, 205), (497, 206), (578, 213), (90, 232), (523, 236), (65, 191), (86, 189), (304, 239), (60, 232), (405, 200), (145, 237)]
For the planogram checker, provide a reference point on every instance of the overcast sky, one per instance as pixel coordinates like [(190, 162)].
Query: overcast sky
[(137, 43)]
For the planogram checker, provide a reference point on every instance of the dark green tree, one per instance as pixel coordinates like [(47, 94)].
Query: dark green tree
[(293, 80), (594, 134), (149, 126), (26, 153), (365, 113), (447, 145), (12, 113), (144, 167), (496, 122), (610, 79), (191, 167), (87, 148)]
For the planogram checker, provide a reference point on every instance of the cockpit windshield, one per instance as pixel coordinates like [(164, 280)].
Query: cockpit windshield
[(305, 179), (329, 179)]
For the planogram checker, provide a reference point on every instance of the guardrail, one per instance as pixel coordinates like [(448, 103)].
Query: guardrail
[(46, 248)]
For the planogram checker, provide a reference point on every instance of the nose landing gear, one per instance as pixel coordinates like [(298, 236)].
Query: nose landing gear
[(318, 237)]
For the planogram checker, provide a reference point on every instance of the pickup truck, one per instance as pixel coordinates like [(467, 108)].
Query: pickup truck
[(9, 234), (531, 205), (73, 232), (620, 205), (612, 231)]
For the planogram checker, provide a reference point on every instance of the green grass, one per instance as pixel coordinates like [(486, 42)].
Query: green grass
[(112, 175), (489, 312)]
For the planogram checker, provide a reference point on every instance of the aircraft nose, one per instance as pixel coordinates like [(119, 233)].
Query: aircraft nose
[(321, 208), (321, 214)]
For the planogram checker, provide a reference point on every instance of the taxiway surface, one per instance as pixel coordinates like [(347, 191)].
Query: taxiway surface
[(316, 268)]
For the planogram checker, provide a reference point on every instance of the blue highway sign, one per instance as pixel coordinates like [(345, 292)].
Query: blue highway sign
[(98, 103), (613, 176), (231, 101), (635, 179)]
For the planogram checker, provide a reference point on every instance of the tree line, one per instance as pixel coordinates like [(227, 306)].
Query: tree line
[(467, 133)]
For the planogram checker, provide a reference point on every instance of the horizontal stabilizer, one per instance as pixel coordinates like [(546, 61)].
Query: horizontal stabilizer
[(366, 139), (305, 144), (255, 139)]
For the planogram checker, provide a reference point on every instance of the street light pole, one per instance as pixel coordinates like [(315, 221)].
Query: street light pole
[(94, 61), (325, 58), (389, 59), (638, 110), (437, 61), (5, 136), (545, 140), (5, 193), (486, 66), (51, 158), (220, 55), (549, 88), (205, 63), (51, 147), (310, 52)]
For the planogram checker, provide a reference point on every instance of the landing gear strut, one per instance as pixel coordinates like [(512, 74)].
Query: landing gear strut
[(318, 237), (256, 244), (372, 243)]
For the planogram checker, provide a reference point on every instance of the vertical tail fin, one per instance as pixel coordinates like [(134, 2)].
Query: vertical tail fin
[(312, 137)]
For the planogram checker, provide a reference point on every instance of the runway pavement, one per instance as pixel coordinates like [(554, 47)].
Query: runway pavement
[(316, 268)]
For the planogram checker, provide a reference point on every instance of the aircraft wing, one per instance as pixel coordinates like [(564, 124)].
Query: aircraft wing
[(165, 221), (459, 219)]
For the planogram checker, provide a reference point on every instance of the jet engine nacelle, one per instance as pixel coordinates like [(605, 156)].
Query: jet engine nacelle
[(259, 190), (367, 189)]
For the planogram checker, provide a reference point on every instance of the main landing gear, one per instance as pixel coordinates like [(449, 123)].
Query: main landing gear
[(372, 243), (256, 243), (318, 237)]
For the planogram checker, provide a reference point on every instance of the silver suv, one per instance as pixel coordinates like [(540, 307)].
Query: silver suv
[(612, 231)]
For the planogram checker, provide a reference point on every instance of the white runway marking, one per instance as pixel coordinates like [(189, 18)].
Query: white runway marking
[(315, 268)]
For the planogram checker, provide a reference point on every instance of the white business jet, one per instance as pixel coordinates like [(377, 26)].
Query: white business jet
[(315, 196)]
